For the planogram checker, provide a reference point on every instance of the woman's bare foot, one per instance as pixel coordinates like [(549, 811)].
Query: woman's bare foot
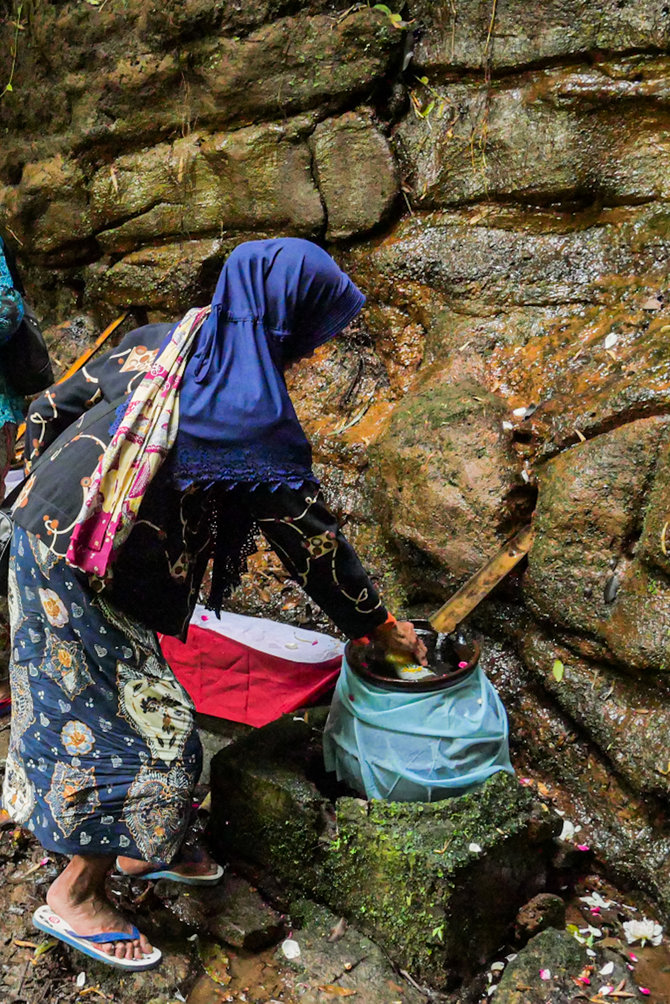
[(205, 865), (78, 896)]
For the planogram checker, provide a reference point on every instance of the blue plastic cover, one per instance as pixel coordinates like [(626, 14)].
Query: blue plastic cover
[(415, 747)]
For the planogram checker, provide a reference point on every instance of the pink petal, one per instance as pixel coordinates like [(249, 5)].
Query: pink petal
[(644, 990), (545, 974), (633, 958), (525, 780), (583, 847), (462, 665)]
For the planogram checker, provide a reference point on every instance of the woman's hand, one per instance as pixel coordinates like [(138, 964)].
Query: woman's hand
[(400, 639)]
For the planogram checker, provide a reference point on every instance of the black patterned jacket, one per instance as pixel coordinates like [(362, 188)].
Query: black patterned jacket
[(158, 572)]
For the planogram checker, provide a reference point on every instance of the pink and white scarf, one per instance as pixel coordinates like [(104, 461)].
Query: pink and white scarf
[(137, 450)]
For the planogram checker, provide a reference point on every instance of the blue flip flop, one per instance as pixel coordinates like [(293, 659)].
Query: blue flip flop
[(46, 920), (167, 873)]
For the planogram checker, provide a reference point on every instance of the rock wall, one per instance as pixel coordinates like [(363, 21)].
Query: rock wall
[(495, 176)]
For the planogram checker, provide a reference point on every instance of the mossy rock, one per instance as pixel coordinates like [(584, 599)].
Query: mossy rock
[(437, 885)]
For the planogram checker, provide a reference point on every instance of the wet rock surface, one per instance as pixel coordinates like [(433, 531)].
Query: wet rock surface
[(553, 956), (543, 911)]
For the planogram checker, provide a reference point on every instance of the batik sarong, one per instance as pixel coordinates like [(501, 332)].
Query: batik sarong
[(104, 754)]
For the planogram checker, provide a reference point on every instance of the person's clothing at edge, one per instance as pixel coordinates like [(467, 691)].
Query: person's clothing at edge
[(60, 727), (12, 405), (12, 408)]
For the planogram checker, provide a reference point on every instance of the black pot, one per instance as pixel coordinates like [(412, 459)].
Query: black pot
[(445, 652)]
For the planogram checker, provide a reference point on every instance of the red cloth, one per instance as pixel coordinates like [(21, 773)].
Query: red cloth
[(246, 682)]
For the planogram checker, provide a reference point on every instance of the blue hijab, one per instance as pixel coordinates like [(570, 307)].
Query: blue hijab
[(275, 301)]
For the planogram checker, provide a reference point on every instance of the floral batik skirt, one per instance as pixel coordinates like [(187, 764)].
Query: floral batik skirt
[(104, 754)]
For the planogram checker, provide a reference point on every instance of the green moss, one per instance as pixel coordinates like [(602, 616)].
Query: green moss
[(403, 873)]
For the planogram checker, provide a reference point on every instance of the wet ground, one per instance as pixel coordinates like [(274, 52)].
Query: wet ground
[(199, 969)]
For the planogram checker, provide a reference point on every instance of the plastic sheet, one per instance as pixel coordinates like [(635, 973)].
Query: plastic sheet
[(416, 747)]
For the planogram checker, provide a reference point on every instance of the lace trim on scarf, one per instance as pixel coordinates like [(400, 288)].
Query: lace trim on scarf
[(249, 466)]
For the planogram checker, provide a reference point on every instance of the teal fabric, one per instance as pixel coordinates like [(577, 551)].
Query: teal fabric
[(12, 406), (415, 747)]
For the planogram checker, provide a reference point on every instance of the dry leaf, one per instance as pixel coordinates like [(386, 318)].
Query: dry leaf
[(330, 988), (339, 930)]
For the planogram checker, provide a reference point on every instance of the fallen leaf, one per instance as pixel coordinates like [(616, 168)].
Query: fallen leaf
[(215, 961), (333, 991), (651, 303), (43, 948), (338, 930)]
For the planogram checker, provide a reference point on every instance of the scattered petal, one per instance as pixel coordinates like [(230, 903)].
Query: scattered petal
[(583, 847), (475, 848), (568, 831), (290, 948), (643, 930), (607, 969), (545, 974), (81, 980), (519, 412), (497, 967), (525, 781), (595, 899), (606, 990), (644, 990), (507, 426), (632, 957), (611, 341)]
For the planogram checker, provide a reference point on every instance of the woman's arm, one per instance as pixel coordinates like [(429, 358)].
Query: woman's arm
[(306, 537)]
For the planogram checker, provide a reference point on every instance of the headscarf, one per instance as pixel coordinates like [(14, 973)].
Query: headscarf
[(275, 302), (225, 414)]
